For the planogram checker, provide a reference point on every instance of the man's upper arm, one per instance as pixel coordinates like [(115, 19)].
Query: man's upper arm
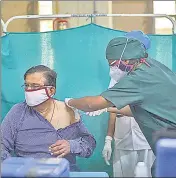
[(8, 131), (126, 92), (72, 116), (85, 144)]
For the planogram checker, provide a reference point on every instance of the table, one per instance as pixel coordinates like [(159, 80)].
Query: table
[(88, 174)]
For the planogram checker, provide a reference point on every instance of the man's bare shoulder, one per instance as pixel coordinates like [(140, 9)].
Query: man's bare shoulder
[(63, 106), (65, 109), (60, 103)]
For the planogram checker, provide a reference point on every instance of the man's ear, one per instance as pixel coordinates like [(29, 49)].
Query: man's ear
[(127, 61), (52, 91)]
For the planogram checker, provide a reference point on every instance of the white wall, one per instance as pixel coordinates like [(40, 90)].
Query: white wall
[(83, 7), (133, 7)]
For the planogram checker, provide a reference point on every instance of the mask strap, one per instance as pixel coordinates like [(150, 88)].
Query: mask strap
[(123, 53), (143, 60), (47, 91), (112, 63)]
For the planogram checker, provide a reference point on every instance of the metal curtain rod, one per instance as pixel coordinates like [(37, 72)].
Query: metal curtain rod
[(90, 15)]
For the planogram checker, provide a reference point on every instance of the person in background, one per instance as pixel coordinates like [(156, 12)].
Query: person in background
[(130, 145), (44, 127)]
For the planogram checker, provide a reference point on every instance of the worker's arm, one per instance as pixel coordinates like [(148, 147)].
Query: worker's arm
[(90, 103), (124, 93), (126, 111), (107, 150), (111, 124)]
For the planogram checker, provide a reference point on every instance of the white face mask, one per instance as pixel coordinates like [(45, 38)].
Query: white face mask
[(36, 97), (116, 74)]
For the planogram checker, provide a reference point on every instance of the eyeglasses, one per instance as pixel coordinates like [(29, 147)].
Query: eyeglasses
[(125, 67), (33, 86)]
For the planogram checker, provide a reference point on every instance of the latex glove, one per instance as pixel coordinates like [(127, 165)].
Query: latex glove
[(76, 111), (107, 150), (66, 102), (96, 113)]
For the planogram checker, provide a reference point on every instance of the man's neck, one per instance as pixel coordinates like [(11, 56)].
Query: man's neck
[(45, 107)]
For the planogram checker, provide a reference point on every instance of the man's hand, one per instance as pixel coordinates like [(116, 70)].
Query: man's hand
[(60, 149)]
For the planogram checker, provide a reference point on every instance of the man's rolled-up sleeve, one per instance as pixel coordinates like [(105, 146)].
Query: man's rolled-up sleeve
[(85, 144)]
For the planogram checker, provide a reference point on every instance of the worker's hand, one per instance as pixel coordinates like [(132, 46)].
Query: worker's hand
[(96, 113), (107, 150), (66, 102), (76, 111), (60, 149)]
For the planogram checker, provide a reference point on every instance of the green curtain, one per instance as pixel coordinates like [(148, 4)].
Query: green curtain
[(78, 56)]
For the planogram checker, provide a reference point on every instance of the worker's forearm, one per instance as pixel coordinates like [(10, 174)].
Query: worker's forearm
[(111, 124), (90, 103), (126, 111), (113, 110)]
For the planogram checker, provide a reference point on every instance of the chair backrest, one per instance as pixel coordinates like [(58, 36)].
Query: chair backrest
[(166, 157)]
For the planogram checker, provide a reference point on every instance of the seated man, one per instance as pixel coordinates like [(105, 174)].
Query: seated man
[(43, 127)]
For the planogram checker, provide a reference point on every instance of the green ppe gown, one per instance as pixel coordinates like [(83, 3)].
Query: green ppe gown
[(151, 94)]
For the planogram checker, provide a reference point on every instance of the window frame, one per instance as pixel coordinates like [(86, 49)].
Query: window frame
[(43, 13), (164, 30)]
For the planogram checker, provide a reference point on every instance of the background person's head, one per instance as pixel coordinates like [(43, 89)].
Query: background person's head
[(140, 36), (40, 84)]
